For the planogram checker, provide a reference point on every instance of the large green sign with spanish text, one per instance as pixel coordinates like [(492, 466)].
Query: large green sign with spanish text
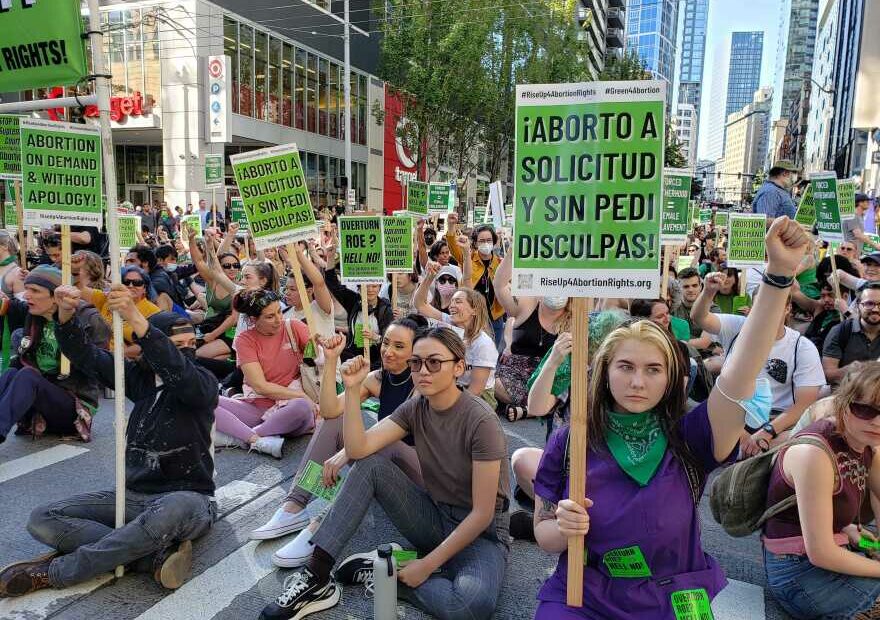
[(676, 205), (588, 189), (41, 44), (398, 244), (273, 188), (361, 259), (824, 186)]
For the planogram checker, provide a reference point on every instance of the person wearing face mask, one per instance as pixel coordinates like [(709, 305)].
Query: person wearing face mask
[(537, 321), (447, 282), (169, 472), (483, 265), (773, 198)]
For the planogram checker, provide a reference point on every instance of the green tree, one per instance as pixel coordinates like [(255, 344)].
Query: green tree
[(672, 156), (628, 66)]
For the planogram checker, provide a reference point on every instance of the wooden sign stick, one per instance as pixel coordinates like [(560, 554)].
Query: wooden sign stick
[(835, 284), (394, 291), (667, 259), (22, 230), (293, 257), (578, 438), (65, 279), (365, 319)]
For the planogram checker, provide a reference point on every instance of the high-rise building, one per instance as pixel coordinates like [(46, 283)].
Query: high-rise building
[(695, 17), (745, 147), (651, 29), (685, 124), (744, 70), (603, 24), (712, 136)]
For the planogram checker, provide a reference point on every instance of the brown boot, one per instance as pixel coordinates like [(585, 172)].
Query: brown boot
[(25, 577), (174, 566)]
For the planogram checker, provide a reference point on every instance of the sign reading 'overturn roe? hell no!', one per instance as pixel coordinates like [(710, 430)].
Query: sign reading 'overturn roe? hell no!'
[(588, 189)]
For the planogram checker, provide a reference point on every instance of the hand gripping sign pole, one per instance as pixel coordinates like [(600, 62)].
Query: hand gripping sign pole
[(65, 279), (293, 257)]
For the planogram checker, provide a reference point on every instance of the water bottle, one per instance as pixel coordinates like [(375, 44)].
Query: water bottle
[(385, 585)]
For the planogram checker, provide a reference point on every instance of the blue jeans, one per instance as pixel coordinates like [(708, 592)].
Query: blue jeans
[(81, 527), (498, 331), (25, 388), (469, 584), (806, 591)]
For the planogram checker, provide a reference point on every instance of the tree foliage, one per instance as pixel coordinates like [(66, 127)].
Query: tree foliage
[(628, 66)]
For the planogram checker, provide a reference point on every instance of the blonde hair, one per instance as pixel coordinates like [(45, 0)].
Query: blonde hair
[(480, 320)]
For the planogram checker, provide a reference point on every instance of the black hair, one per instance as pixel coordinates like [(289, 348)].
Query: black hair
[(642, 307), (476, 234), (445, 336), (164, 251), (145, 254), (436, 248), (253, 302), (415, 322), (823, 269), (52, 241), (687, 273)]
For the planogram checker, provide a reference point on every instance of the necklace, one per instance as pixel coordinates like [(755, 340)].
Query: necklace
[(391, 382)]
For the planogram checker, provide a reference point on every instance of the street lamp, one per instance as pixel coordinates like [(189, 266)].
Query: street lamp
[(828, 89)]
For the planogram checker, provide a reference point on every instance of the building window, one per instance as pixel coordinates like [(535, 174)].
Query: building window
[(323, 103), (274, 88), (362, 110), (312, 94), (286, 85), (333, 101), (300, 88), (246, 66), (230, 48), (261, 62)]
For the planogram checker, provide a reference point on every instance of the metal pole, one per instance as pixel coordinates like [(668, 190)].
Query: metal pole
[(48, 104), (102, 89), (347, 93)]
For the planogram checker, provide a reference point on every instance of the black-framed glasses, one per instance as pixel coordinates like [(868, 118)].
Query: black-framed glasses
[(869, 305), (135, 283), (231, 265), (446, 280), (864, 411), (433, 364)]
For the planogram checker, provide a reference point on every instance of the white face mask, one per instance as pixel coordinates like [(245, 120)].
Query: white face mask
[(484, 248), (555, 303)]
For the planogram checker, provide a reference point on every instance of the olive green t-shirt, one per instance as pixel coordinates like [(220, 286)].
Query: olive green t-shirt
[(447, 442)]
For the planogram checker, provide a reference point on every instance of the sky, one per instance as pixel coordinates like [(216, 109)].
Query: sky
[(725, 17)]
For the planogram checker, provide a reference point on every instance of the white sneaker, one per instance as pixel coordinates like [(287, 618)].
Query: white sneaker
[(281, 524), (269, 445), (296, 553), (222, 440)]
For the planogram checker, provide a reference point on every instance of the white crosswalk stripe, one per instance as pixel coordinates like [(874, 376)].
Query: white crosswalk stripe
[(38, 460)]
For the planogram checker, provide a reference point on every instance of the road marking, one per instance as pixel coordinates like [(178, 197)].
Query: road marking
[(38, 460), (739, 601)]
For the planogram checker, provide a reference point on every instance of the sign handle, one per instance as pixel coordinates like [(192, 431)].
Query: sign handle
[(578, 437), (667, 260), (393, 291), (22, 229), (365, 319), (65, 279), (835, 284), (214, 205), (293, 256)]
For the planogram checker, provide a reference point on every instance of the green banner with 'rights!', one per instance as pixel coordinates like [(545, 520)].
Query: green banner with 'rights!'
[(361, 257), (676, 205)]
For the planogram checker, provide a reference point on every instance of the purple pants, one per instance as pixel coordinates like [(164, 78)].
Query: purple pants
[(243, 420), (25, 388)]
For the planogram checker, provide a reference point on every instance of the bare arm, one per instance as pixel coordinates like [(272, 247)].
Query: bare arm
[(833, 372), (803, 398), (319, 286), (254, 377), (700, 314), (360, 443), (547, 533), (501, 282), (420, 299), (479, 378)]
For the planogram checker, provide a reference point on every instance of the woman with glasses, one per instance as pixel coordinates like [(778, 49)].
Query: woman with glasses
[(457, 522), (821, 561), (393, 386), (269, 354), (469, 317)]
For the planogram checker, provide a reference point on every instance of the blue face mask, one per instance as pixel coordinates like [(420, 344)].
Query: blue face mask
[(758, 406)]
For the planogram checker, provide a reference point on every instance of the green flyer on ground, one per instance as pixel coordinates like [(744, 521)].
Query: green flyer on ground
[(10, 147), (439, 197), (273, 188), (129, 226), (237, 214), (42, 44), (398, 244), (745, 240), (806, 213), (721, 218), (61, 173), (676, 205), (361, 259), (824, 186), (417, 198), (588, 189), (214, 176), (312, 480), (846, 198)]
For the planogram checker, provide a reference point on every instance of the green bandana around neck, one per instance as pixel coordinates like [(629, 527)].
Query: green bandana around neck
[(7, 261), (637, 443)]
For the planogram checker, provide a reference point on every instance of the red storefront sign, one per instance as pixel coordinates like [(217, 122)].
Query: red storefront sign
[(400, 164), (123, 107)]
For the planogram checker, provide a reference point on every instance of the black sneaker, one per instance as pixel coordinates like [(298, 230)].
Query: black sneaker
[(303, 594), (357, 569), (522, 525)]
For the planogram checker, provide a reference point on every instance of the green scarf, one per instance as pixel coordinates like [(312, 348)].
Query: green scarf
[(637, 443)]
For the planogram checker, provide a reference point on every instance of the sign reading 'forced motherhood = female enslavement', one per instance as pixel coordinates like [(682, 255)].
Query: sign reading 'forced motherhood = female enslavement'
[(588, 189)]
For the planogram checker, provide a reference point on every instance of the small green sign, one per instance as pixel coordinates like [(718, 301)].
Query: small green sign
[(867, 248), (628, 563), (10, 147), (42, 44), (705, 216), (676, 206), (360, 249), (129, 227), (404, 556), (61, 173), (806, 213), (745, 240), (684, 262), (417, 198), (194, 220), (439, 197), (273, 188), (213, 171), (480, 214), (827, 212), (868, 543), (10, 216), (692, 605), (846, 198), (237, 213), (312, 480), (398, 244), (721, 218)]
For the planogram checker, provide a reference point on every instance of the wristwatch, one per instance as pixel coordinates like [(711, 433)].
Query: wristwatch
[(769, 428)]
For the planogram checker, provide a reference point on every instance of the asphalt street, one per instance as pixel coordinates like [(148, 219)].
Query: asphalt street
[(233, 577)]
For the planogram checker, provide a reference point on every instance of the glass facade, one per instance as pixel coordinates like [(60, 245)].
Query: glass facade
[(651, 29), (744, 74), (693, 51)]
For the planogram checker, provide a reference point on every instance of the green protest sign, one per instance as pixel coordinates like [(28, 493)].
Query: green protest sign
[(439, 195), (824, 186), (867, 248), (129, 227), (705, 216), (508, 214), (61, 173), (806, 213), (398, 244), (692, 605), (42, 44), (588, 189), (361, 258), (213, 171), (480, 214), (194, 220), (10, 147), (417, 198), (676, 205), (272, 184), (846, 198), (745, 240), (684, 262), (237, 214), (10, 216), (312, 480), (721, 218)]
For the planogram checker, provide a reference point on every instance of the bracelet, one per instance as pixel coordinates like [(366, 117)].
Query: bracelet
[(777, 281), (736, 402)]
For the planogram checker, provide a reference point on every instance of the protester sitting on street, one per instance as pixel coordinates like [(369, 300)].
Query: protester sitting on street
[(457, 522), (393, 386), (691, 285), (269, 354), (828, 315), (88, 271), (406, 290), (857, 338), (537, 321), (446, 282), (33, 392), (50, 248), (469, 318), (11, 275), (166, 295), (318, 297), (870, 272), (814, 555), (169, 467), (648, 459)]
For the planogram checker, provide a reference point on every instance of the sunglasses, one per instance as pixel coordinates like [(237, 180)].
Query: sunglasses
[(864, 411), (446, 280), (130, 283), (231, 265), (433, 364)]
